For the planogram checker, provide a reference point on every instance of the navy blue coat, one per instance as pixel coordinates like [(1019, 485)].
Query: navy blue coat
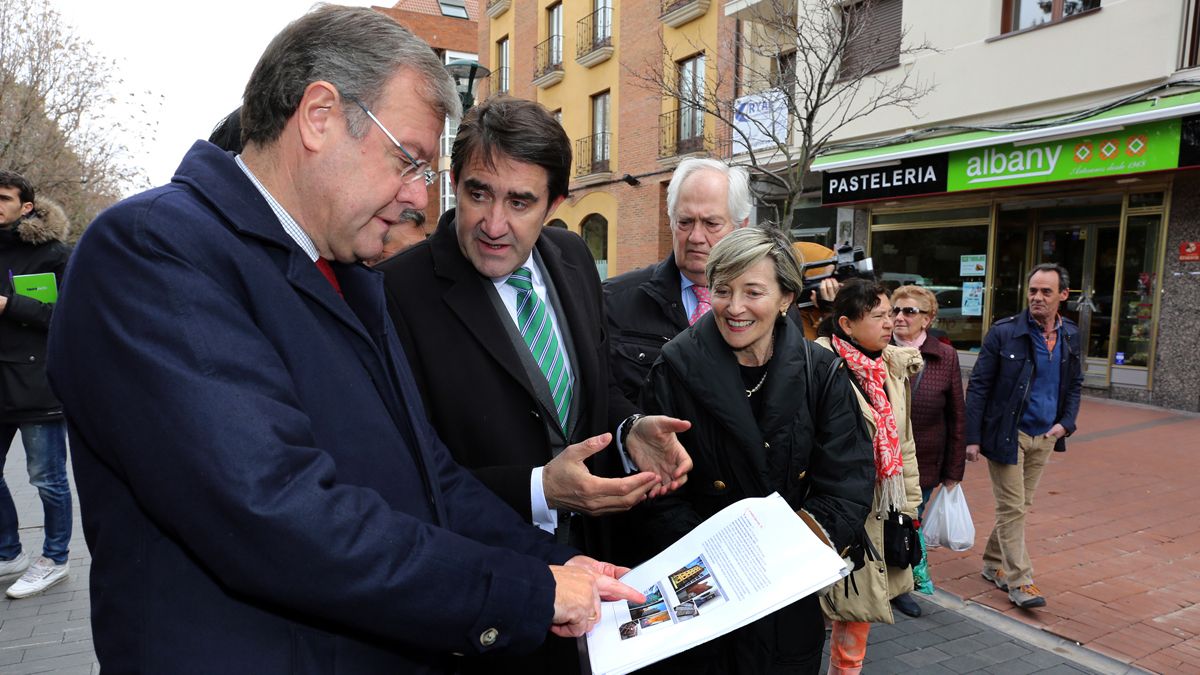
[(260, 489), (999, 386)]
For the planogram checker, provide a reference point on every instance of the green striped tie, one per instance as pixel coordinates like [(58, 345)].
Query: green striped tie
[(536, 328)]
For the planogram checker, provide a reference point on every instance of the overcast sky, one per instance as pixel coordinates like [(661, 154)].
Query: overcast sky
[(194, 57)]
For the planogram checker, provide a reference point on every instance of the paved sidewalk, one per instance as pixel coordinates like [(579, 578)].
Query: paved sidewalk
[(51, 632), (1114, 534)]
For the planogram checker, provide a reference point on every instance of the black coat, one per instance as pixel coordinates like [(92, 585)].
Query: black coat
[(32, 246), (824, 466), (476, 391), (644, 313)]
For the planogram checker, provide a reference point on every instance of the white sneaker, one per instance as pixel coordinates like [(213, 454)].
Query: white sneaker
[(42, 574), (14, 566)]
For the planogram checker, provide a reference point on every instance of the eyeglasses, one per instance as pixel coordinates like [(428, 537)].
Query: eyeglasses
[(416, 169), (908, 311)]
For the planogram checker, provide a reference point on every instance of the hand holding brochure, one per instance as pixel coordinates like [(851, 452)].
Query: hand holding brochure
[(750, 559)]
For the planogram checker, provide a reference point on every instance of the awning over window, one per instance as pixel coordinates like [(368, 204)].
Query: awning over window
[(1108, 121)]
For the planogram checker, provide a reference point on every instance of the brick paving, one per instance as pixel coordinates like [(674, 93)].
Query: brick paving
[(1114, 535)]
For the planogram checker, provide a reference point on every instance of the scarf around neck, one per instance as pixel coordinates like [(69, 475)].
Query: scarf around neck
[(871, 374)]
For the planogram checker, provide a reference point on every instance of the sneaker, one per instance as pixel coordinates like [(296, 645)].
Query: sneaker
[(41, 575), (1027, 596), (996, 576), (907, 605), (14, 566)]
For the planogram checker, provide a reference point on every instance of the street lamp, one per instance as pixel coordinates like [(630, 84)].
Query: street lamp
[(466, 73)]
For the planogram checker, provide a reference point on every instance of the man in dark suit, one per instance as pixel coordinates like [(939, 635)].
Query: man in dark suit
[(508, 327), (706, 200), (260, 487)]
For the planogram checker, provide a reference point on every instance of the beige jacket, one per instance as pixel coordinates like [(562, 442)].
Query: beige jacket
[(876, 582)]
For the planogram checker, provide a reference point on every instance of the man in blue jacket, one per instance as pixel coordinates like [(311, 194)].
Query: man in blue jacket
[(1021, 404), (260, 487)]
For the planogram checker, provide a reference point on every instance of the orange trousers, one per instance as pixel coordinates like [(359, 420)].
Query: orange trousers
[(848, 647)]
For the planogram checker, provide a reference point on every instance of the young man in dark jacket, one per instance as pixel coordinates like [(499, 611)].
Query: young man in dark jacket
[(32, 238), (1021, 404)]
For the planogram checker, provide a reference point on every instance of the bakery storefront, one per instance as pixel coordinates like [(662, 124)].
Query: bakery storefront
[(968, 216)]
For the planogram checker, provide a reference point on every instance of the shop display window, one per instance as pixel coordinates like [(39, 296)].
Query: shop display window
[(1135, 313), (950, 261)]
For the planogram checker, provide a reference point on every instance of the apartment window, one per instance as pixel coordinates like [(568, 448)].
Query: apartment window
[(600, 120), (501, 74), (594, 231), (554, 25), (691, 104), (783, 71), (602, 26), (873, 35), (446, 192), (1024, 14), (455, 8)]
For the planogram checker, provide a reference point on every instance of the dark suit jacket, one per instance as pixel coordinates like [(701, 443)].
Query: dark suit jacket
[(466, 364), (260, 489)]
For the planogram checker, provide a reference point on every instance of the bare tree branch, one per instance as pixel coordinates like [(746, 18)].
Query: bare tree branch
[(54, 90), (831, 63)]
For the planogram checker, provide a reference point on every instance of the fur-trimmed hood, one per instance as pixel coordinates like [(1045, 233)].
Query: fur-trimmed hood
[(47, 222)]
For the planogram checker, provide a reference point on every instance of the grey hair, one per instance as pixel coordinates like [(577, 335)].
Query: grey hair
[(356, 50), (740, 201), (743, 248)]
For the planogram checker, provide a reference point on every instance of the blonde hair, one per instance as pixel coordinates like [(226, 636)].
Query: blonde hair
[(922, 295)]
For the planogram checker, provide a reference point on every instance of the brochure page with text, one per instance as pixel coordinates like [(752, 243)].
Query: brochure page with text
[(750, 559)]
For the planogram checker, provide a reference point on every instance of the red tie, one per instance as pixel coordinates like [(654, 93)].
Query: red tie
[(323, 265), (702, 304)]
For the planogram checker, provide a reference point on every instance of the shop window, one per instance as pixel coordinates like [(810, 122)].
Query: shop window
[(594, 231), (948, 261), (873, 35), (1139, 200), (1025, 14), (1135, 311)]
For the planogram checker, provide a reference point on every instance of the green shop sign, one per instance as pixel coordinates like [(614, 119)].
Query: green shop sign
[(1152, 146)]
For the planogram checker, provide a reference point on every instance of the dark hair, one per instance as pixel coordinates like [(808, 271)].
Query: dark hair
[(12, 179), (856, 298), (1064, 278), (227, 135), (522, 130), (355, 49)]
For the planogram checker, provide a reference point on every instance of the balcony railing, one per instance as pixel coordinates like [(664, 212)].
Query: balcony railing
[(499, 81), (548, 61), (593, 37), (591, 154), (675, 13), (680, 132)]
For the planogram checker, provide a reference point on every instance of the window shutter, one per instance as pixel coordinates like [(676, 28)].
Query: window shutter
[(875, 44)]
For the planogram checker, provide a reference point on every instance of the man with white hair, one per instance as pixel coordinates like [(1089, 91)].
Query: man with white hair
[(706, 200)]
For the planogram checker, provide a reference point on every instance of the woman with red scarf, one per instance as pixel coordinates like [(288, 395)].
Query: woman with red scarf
[(861, 326)]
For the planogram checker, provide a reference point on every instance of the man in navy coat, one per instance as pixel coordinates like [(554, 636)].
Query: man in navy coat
[(260, 489)]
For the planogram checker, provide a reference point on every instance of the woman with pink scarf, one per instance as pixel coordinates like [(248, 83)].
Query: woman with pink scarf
[(861, 326)]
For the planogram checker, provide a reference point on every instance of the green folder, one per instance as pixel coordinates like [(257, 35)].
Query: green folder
[(41, 287)]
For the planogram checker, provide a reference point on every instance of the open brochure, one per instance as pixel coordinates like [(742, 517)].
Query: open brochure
[(750, 559)]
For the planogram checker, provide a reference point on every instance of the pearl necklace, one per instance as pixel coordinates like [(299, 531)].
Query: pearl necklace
[(750, 392), (770, 353)]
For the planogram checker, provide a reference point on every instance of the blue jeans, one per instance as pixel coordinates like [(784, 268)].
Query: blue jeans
[(46, 459)]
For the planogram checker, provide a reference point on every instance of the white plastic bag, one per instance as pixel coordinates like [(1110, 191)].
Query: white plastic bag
[(948, 522)]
